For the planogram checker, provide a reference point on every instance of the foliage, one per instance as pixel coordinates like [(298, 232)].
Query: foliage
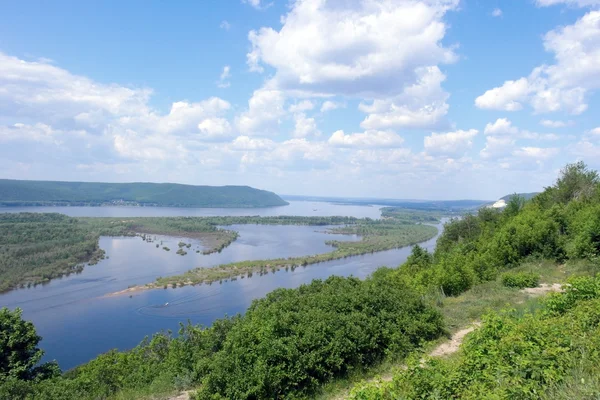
[(520, 280), (512, 355), (16, 192), (561, 223), (293, 340), (19, 352), (35, 248)]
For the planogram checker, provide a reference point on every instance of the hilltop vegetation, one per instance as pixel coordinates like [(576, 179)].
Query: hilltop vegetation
[(526, 354), (36, 193)]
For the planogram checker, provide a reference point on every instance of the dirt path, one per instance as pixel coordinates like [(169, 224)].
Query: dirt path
[(181, 396), (453, 345), (442, 350)]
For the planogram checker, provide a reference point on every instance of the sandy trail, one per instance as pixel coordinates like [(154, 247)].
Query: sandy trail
[(543, 289)]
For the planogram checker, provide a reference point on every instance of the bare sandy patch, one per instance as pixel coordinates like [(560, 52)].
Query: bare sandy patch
[(544, 288)]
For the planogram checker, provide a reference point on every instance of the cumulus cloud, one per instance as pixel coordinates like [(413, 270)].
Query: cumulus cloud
[(497, 147), (385, 51), (367, 139), (548, 123), (503, 126), (562, 86), (223, 81), (292, 155), (265, 110), (214, 128), (537, 153), (329, 105), (497, 12), (305, 126), (225, 25), (38, 90), (451, 143), (91, 123), (304, 105), (247, 143), (573, 3), (421, 105)]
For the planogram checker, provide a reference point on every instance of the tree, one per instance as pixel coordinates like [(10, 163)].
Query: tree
[(19, 352), (576, 182)]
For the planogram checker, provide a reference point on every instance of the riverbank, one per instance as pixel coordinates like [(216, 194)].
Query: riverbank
[(376, 236)]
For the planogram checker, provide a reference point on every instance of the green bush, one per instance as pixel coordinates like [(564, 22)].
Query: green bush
[(520, 280), (292, 341), (512, 356)]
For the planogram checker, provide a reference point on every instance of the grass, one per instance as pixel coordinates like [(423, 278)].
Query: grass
[(462, 311)]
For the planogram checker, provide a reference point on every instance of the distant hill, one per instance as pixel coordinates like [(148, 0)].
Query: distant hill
[(526, 196), (35, 193), (501, 203)]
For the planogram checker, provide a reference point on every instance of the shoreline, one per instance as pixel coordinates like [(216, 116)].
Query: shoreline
[(234, 271)]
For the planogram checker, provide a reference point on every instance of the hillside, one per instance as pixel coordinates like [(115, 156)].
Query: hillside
[(35, 193), (501, 203)]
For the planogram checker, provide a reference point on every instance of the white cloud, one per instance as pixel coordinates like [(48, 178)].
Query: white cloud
[(593, 133), (265, 109), (254, 3), (420, 105), (329, 105), (41, 90), (562, 86), (497, 12), (304, 105), (573, 3), (223, 81), (537, 153), (305, 126), (183, 118), (246, 143), (386, 52), (225, 25), (292, 155), (502, 126), (508, 97), (38, 132), (497, 147), (548, 123), (215, 128), (450, 143), (367, 139)]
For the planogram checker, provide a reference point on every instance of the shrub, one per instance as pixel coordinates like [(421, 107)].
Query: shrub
[(520, 280), (293, 340)]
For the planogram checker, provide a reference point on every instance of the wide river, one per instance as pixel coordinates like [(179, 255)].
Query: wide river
[(78, 321)]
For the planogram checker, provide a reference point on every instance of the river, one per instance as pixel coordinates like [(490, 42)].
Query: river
[(78, 321)]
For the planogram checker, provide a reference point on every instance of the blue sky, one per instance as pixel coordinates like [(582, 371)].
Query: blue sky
[(436, 99)]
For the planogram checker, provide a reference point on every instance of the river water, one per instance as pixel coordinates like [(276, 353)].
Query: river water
[(78, 321)]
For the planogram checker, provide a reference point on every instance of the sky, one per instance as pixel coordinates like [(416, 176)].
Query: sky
[(420, 99)]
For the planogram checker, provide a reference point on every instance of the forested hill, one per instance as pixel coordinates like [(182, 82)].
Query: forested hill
[(30, 193), (525, 196)]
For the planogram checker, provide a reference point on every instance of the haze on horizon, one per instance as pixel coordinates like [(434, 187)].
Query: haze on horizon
[(404, 99)]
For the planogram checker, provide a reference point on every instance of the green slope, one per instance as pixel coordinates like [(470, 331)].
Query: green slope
[(23, 193)]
